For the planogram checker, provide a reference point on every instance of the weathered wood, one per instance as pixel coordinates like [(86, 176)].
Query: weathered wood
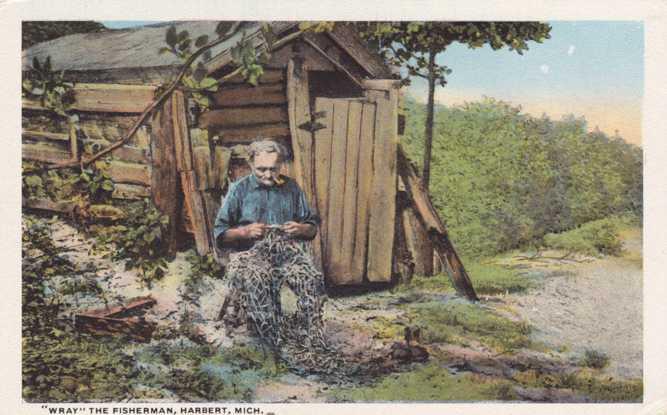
[(269, 76), (136, 192), (351, 177), (202, 166), (381, 84), (73, 140), (417, 242), (196, 208), (241, 117), (312, 60), (132, 173), (211, 206), (364, 188), (134, 327), (131, 154), (135, 305), (44, 135), (164, 177), (347, 38), (44, 153), (435, 228), (50, 205), (383, 200), (404, 265), (298, 107), (243, 95), (106, 98), (323, 142), (182, 143), (221, 162), (248, 134), (337, 192)]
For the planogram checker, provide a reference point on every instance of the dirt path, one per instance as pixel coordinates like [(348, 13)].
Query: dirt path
[(592, 306)]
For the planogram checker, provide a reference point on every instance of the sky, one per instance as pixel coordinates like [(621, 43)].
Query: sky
[(587, 68)]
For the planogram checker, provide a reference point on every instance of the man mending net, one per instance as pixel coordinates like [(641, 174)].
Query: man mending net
[(266, 219)]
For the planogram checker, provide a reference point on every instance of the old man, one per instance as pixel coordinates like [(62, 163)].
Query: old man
[(265, 218)]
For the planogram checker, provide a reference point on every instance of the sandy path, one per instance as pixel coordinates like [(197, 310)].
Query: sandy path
[(596, 305)]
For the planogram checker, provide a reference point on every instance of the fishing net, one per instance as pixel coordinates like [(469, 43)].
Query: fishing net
[(256, 277)]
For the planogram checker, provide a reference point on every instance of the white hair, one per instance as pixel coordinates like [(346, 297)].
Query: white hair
[(266, 146)]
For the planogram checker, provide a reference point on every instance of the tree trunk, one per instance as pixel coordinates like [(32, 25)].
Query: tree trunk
[(428, 130)]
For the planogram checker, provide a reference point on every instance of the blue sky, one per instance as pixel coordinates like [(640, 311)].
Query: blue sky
[(589, 68)]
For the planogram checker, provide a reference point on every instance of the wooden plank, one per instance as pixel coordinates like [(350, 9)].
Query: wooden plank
[(243, 95), (337, 191), (244, 116), (196, 209), (347, 38), (383, 199), (298, 107), (134, 327), (248, 134), (44, 135), (182, 144), (417, 242), (116, 98), (350, 175), (134, 305), (202, 166), (44, 153), (132, 154), (132, 173), (364, 188), (136, 192), (50, 205), (381, 84), (73, 140), (435, 228), (222, 157), (164, 177), (323, 141), (269, 76)]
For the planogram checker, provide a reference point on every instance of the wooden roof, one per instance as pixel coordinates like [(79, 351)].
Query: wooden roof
[(137, 48)]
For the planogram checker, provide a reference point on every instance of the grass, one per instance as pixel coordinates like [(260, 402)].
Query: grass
[(487, 279), (429, 383), (599, 237), (586, 382)]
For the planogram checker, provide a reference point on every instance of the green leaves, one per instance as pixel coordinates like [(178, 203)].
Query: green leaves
[(48, 87)]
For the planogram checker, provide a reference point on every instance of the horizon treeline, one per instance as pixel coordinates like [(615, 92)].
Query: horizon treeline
[(502, 179)]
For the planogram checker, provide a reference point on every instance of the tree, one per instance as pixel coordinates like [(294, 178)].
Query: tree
[(34, 32), (416, 45)]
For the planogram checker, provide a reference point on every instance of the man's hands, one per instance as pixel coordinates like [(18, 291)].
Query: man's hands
[(299, 230), (254, 230)]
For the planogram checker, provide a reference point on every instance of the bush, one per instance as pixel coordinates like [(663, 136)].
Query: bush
[(593, 238)]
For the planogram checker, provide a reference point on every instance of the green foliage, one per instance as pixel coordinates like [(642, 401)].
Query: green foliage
[(592, 238), (491, 279), (140, 240), (47, 86), (90, 185), (595, 359), (502, 179), (245, 55), (453, 321), (429, 383), (203, 266)]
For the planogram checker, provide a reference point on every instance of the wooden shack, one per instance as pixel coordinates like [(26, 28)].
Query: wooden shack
[(326, 96)]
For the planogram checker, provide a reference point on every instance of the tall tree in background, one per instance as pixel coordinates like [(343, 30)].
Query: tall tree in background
[(33, 32), (416, 45)]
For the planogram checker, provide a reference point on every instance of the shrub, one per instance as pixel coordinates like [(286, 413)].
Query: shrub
[(593, 238)]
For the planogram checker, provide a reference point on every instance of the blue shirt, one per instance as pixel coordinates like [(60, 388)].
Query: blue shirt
[(248, 201)]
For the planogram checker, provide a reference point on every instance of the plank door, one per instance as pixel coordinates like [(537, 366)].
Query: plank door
[(350, 193)]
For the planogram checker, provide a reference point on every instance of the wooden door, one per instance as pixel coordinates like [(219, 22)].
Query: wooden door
[(355, 186)]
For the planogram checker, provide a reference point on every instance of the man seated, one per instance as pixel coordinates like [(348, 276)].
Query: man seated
[(265, 218)]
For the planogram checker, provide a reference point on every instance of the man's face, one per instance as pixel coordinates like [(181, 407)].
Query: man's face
[(266, 168)]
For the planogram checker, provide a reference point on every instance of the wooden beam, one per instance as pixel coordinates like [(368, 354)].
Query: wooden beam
[(49, 205), (44, 153), (335, 63), (43, 135), (248, 134), (118, 98), (298, 108), (238, 117), (221, 160), (385, 181), (132, 173), (196, 209), (322, 166), (348, 39), (435, 228), (244, 95), (181, 132), (201, 156), (136, 192), (270, 76), (164, 176)]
